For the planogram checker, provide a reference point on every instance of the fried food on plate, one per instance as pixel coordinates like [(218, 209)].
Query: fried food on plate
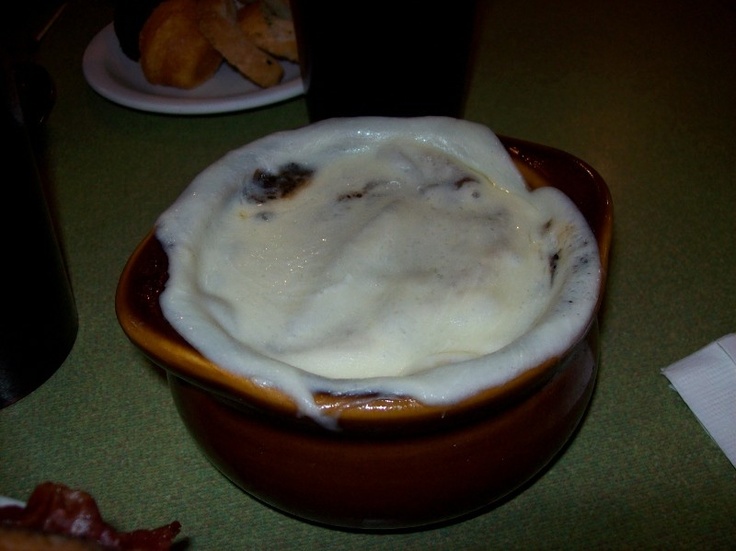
[(268, 31), (218, 22), (174, 52)]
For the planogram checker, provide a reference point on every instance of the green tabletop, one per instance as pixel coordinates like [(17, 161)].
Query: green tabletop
[(644, 91)]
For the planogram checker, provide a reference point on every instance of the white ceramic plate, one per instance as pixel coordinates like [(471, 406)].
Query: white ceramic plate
[(113, 75), (4, 501)]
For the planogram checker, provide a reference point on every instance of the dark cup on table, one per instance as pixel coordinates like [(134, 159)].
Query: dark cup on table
[(399, 58), (38, 316)]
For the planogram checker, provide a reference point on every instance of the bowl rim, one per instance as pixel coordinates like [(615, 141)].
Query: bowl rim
[(540, 165)]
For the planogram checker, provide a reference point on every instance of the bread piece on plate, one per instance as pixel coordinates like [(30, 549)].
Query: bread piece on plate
[(218, 22), (270, 33), (174, 52)]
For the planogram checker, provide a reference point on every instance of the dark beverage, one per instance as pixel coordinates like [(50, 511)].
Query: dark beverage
[(38, 317), (391, 58)]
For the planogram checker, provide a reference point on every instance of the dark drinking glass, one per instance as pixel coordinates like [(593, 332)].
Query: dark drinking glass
[(387, 58), (38, 317)]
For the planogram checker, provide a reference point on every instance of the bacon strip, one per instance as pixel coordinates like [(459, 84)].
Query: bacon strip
[(56, 509)]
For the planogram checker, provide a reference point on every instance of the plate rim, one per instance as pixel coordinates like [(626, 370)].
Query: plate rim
[(97, 76), (9, 501)]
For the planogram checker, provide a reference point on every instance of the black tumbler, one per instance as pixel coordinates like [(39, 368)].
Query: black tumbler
[(38, 317), (398, 58)]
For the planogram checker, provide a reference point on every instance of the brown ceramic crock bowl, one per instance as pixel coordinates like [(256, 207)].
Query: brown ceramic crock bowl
[(392, 463)]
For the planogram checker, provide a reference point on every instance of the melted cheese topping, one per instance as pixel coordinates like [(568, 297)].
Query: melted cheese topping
[(376, 255)]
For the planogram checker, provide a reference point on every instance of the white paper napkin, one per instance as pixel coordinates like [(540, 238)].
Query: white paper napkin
[(706, 380)]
